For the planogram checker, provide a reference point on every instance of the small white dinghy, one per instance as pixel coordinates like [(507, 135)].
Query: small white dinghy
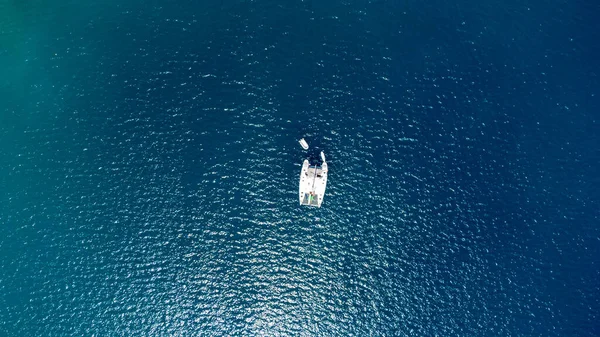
[(303, 143)]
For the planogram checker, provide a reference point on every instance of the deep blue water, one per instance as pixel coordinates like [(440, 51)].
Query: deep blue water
[(149, 168)]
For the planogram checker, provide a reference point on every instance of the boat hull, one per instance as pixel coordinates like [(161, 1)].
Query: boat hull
[(313, 183)]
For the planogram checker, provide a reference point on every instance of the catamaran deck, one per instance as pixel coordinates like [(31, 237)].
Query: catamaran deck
[(313, 182)]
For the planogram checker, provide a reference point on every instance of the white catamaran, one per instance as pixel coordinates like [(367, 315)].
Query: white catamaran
[(313, 181)]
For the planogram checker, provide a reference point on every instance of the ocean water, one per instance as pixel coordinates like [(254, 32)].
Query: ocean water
[(149, 168)]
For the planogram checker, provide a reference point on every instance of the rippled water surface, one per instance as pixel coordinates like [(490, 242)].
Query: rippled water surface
[(149, 168)]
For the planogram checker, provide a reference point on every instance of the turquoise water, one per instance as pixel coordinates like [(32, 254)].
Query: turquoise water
[(150, 168)]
